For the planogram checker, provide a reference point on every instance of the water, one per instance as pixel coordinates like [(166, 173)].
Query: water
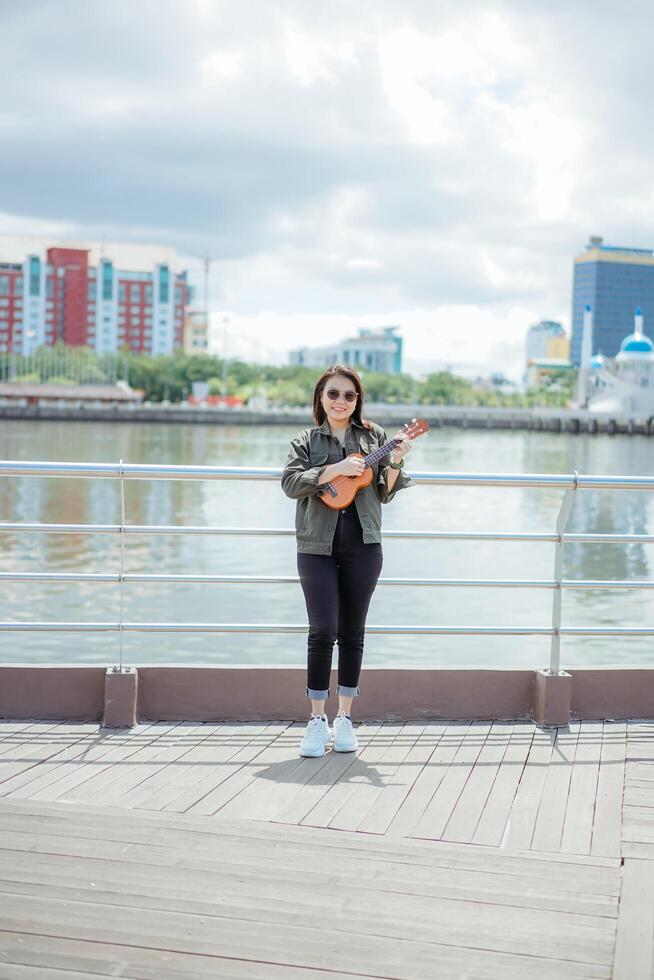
[(57, 500)]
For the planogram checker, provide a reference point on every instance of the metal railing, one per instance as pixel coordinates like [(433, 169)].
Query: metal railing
[(570, 484)]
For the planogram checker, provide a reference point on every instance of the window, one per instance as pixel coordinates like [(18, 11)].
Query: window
[(164, 284), (135, 293), (121, 293), (4, 285), (92, 291), (148, 294), (35, 275), (107, 280)]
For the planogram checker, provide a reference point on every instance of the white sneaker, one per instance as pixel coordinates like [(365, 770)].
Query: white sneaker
[(316, 737), (345, 739)]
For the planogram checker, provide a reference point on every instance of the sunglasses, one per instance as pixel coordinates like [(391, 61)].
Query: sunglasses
[(334, 393)]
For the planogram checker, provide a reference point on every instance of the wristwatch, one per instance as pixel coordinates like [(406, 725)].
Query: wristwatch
[(396, 466)]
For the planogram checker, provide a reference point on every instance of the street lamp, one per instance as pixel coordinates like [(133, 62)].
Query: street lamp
[(225, 326)]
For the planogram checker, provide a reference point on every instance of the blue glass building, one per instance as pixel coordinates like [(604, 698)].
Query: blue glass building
[(613, 281)]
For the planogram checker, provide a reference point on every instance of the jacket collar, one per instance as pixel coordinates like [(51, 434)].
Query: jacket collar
[(325, 429), (358, 433)]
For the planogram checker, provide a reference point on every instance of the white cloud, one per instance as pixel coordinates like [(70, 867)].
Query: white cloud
[(222, 65), (436, 165)]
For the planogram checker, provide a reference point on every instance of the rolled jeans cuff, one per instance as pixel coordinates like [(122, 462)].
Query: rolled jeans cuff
[(317, 695), (347, 692)]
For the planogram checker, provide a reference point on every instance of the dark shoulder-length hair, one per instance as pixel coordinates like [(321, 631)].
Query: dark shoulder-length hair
[(346, 372)]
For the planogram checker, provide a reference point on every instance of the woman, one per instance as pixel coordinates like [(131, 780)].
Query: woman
[(339, 552)]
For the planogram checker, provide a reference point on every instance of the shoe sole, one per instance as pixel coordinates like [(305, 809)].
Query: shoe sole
[(312, 755), (340, 748)]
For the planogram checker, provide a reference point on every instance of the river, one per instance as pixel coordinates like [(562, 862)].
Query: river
[(264, 505)]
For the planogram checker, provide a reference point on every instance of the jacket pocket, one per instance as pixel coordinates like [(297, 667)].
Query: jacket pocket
[(318, 459)]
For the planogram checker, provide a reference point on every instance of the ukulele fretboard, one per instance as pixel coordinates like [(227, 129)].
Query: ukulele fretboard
[(369, 460)]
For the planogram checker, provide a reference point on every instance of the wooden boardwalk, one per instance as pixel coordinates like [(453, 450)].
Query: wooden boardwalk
[(453, 850)]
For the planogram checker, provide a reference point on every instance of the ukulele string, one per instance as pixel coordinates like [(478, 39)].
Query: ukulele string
[(372, 458)]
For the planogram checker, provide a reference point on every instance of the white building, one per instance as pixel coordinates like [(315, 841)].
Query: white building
[(378, 350), (623, 384)]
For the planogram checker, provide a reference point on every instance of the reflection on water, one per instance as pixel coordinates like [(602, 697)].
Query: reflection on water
[(262, 504)]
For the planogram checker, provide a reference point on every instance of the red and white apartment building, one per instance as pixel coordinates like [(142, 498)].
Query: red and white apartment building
[(83, 296)]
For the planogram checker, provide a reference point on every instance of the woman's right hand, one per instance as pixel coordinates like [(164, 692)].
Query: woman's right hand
[(352, 466)]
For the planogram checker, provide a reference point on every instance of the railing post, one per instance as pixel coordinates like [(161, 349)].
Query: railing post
[(121, 683), (562, 520), (553, 687), (122, 566)]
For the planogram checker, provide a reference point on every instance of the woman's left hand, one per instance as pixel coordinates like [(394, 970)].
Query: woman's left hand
[(403, 447)]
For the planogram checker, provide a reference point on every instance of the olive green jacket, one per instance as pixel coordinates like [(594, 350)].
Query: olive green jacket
[(310, 453)]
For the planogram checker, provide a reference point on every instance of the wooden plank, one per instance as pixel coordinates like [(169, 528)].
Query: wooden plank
[(439, 809), (522, 818), (79, 760), (277, 760), (220, 743), (395, 961), (495, 816), (37, 748), (13, 733), (273, 929), (640, 742), (639, 795), (368, 785), (53, 958), (21, 972), (182, 849), (110, 747), (139, 782), (469, 807), (326, 773), (203, 833), (548, 828), (274, 770), (446, 738), (387, 804), (580, 810), (112, 782), (276, 880), (607, 826), (634, 947), (363, 766), (231, 766)]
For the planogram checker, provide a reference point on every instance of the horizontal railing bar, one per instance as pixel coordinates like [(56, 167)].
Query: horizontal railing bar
[(265, 628), (93, 627), (262, 580), (536, 536), (134, 471), (18, 527), (454, 583)]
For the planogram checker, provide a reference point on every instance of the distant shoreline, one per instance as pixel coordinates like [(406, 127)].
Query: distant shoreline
[(537, 419)]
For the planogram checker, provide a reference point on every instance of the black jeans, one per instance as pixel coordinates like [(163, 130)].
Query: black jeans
[(337, 590)]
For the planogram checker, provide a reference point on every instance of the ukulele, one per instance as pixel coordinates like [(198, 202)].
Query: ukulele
[(342, 490)]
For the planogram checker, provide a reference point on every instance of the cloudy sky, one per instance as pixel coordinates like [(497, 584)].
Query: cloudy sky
[(427, 163)]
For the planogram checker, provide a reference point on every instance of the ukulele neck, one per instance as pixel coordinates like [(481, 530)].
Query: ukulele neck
[(378, 454)]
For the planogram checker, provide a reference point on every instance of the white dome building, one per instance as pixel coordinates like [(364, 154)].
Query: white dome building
[(625, 384)]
